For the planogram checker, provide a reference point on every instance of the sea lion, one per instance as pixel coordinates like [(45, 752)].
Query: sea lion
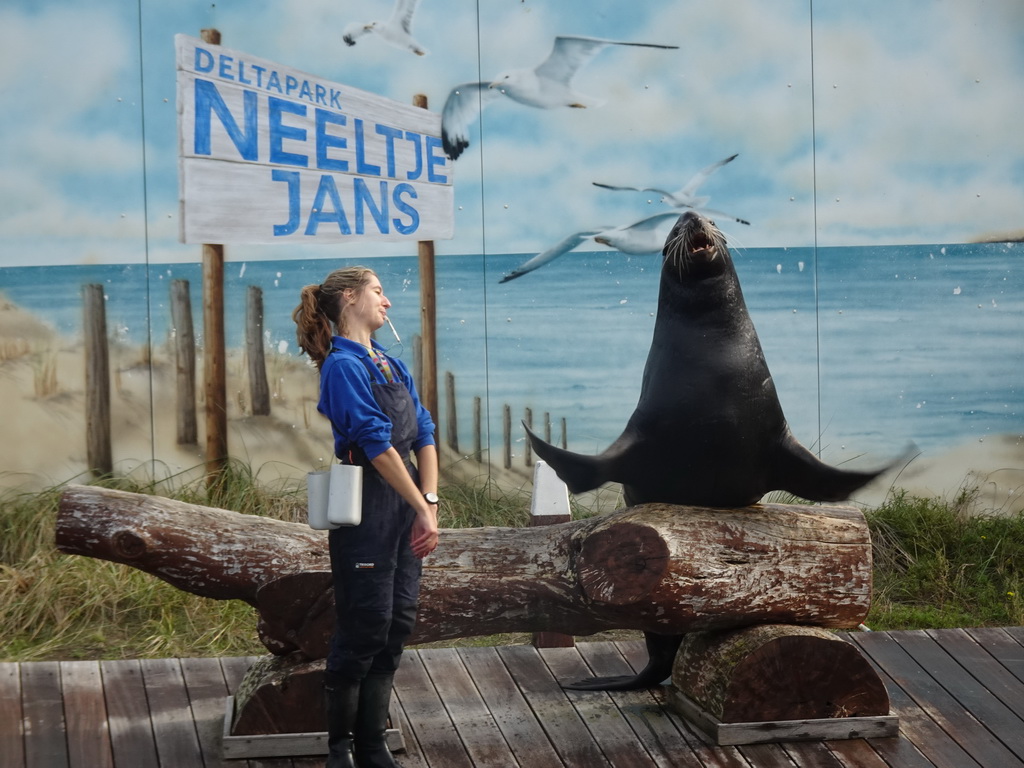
[(708, 429)]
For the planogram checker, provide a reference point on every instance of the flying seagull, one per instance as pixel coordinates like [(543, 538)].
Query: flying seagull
[(397, 30), (641, 237), (546, 86), (686, 197)]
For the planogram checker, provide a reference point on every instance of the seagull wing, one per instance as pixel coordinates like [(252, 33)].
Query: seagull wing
[(567, 56), (640, 237), (563, 246), (461, 109), (701, 176), (651, 222), (633, 189), (569, 53), (401, 16)]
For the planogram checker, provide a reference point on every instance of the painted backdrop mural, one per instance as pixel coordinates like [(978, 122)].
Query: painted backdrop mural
[(865, 161)]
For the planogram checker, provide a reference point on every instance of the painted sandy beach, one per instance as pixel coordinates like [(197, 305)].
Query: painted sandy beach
[(42, 387)]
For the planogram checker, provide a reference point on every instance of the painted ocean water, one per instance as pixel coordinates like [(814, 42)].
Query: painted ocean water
[(870, 348)]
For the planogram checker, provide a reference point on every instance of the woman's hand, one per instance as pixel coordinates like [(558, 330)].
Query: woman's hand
[(424, 532), (392, 469)]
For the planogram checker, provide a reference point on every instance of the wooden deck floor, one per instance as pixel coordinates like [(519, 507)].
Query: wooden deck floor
[(959, 695)]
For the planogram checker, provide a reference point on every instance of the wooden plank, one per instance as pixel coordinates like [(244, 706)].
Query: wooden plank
[(12, 748), (131, 732), (958, 671), (1003, 647), (177, 742), (207, 689), (872, 753), (480, 735), (810, 754), (920, 702), (985, 668), (917, 729), (1017, 633), (565, 729), (613, 735), (642, 711), (508, 707), (766, 756), (899, 751), (857, 753), (410, 756), (437, 738), (43, 710), (85, 714), (713, 756)]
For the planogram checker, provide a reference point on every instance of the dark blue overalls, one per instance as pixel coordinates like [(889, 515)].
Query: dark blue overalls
[(376, 575)]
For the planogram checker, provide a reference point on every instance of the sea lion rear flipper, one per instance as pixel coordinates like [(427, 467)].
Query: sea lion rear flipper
[(661, 650), (580, 473)]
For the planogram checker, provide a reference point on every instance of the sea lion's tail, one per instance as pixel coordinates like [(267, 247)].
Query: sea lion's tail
[(580, 473)]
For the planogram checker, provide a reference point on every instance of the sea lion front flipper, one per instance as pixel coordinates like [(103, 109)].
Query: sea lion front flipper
[(661, 650), (580, 473), (801, 473)]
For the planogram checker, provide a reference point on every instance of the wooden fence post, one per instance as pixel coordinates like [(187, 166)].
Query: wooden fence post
[(97, 381), (184, 362), (214, 355), (527, 448), (477, 429), (258, 389), (214, 363), (452, 416), (507, 435), (428, 312)]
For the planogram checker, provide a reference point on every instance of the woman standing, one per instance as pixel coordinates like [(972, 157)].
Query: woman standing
[(377, 420)]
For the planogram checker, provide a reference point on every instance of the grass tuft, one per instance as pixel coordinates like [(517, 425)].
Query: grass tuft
[(939, 565)]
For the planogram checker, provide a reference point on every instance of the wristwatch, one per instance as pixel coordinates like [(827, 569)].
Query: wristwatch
[(432, 498)]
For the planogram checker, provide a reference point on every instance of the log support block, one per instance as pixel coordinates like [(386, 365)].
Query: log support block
[(278, 711), (778, 683)]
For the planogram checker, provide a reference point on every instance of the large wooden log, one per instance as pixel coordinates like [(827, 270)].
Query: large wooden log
[(656, 567)]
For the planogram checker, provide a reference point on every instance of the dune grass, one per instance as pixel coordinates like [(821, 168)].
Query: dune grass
[(940, 564), (936, 565)]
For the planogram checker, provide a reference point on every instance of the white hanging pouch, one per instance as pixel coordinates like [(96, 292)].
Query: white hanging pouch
[(345, 501), (318, 489)]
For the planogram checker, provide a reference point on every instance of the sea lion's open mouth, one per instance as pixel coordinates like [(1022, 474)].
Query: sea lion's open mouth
[(701, 245), (694, 241)]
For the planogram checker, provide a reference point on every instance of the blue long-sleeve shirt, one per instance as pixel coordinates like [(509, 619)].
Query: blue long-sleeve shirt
[(346, 398)]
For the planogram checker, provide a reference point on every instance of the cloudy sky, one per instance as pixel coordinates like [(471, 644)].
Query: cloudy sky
[(873, 122)]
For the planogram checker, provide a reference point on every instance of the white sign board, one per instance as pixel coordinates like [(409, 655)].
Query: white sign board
[(269, 154)]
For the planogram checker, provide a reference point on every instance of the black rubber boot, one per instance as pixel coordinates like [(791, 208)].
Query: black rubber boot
[(372, 722), (341, 702)]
